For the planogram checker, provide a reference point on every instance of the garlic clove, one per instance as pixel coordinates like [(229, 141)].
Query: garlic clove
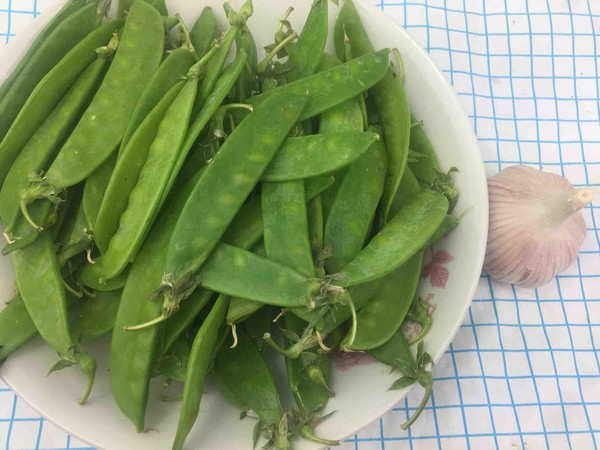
[(536, 225)]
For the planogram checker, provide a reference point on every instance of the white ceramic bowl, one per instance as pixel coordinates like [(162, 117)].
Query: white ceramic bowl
[(361, 386)]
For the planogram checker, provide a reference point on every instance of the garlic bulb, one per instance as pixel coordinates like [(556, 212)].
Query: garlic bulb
[(536, 225)]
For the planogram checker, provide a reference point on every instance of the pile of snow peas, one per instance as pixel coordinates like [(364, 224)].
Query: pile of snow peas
[(204, 204)]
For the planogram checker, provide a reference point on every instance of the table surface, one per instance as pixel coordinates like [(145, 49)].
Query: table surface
[(523, 371)]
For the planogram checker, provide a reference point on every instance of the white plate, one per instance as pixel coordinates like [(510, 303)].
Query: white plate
[(362, 387)]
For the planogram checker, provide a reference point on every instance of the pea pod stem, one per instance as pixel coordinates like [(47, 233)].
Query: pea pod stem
[(187, 38), (307, 433), (262, 66), (425, 379)]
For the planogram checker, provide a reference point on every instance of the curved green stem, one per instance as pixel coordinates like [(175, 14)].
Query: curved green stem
[(265, 62), (148, 324), (307, 433), (88, 365), (186, 34), (25, 211), (197, 69), (426, 381), (292, 352)]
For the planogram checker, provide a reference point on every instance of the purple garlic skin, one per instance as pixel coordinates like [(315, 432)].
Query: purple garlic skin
[(536, 226)]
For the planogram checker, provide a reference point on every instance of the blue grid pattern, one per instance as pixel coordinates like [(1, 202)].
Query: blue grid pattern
[(524, 370)]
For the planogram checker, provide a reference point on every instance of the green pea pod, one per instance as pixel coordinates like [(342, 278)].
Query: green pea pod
[(258, 324), (48, 92), (73, 24), (247, 83), (182, 319), (32, 56), (45, 142), (309, 156), (249, 382), (396, 354), (409, 186), (97, 316), (286, 226), (305, 56), (103, 124), (130, 377), (16, 327), (382, 317), (398, 241), (95, 189), (214, 70), (41, 287), (210, 107), (204, 32), (244, 157), (168, 74), (126, 5), (334, 86), (426, 167), (145, 198), (240, 273), (353, 210), (389, 95), (200, 359), (127, 171)]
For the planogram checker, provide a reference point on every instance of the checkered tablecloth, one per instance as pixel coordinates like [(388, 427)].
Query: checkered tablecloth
[(524, 371)]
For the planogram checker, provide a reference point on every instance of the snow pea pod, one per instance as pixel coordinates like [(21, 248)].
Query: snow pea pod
[(427, 166), (138, 56), (200, 360), (309, 156), (96, 316), (213, 71), (130, 377), (168, 74), (145, 198), (396, 354), (244, 157), (73, 23), (383, 315), (95, 189), (32, 55), (16, 327), (398, 241), (247, 83), (173, 364), (48, 92), (41, 287), (305, 55), (240, 273), (127, 171), (204, 31), (331, 87), (45, 142), (246, 376), (285, 224), (389, 95), (353, 210)]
